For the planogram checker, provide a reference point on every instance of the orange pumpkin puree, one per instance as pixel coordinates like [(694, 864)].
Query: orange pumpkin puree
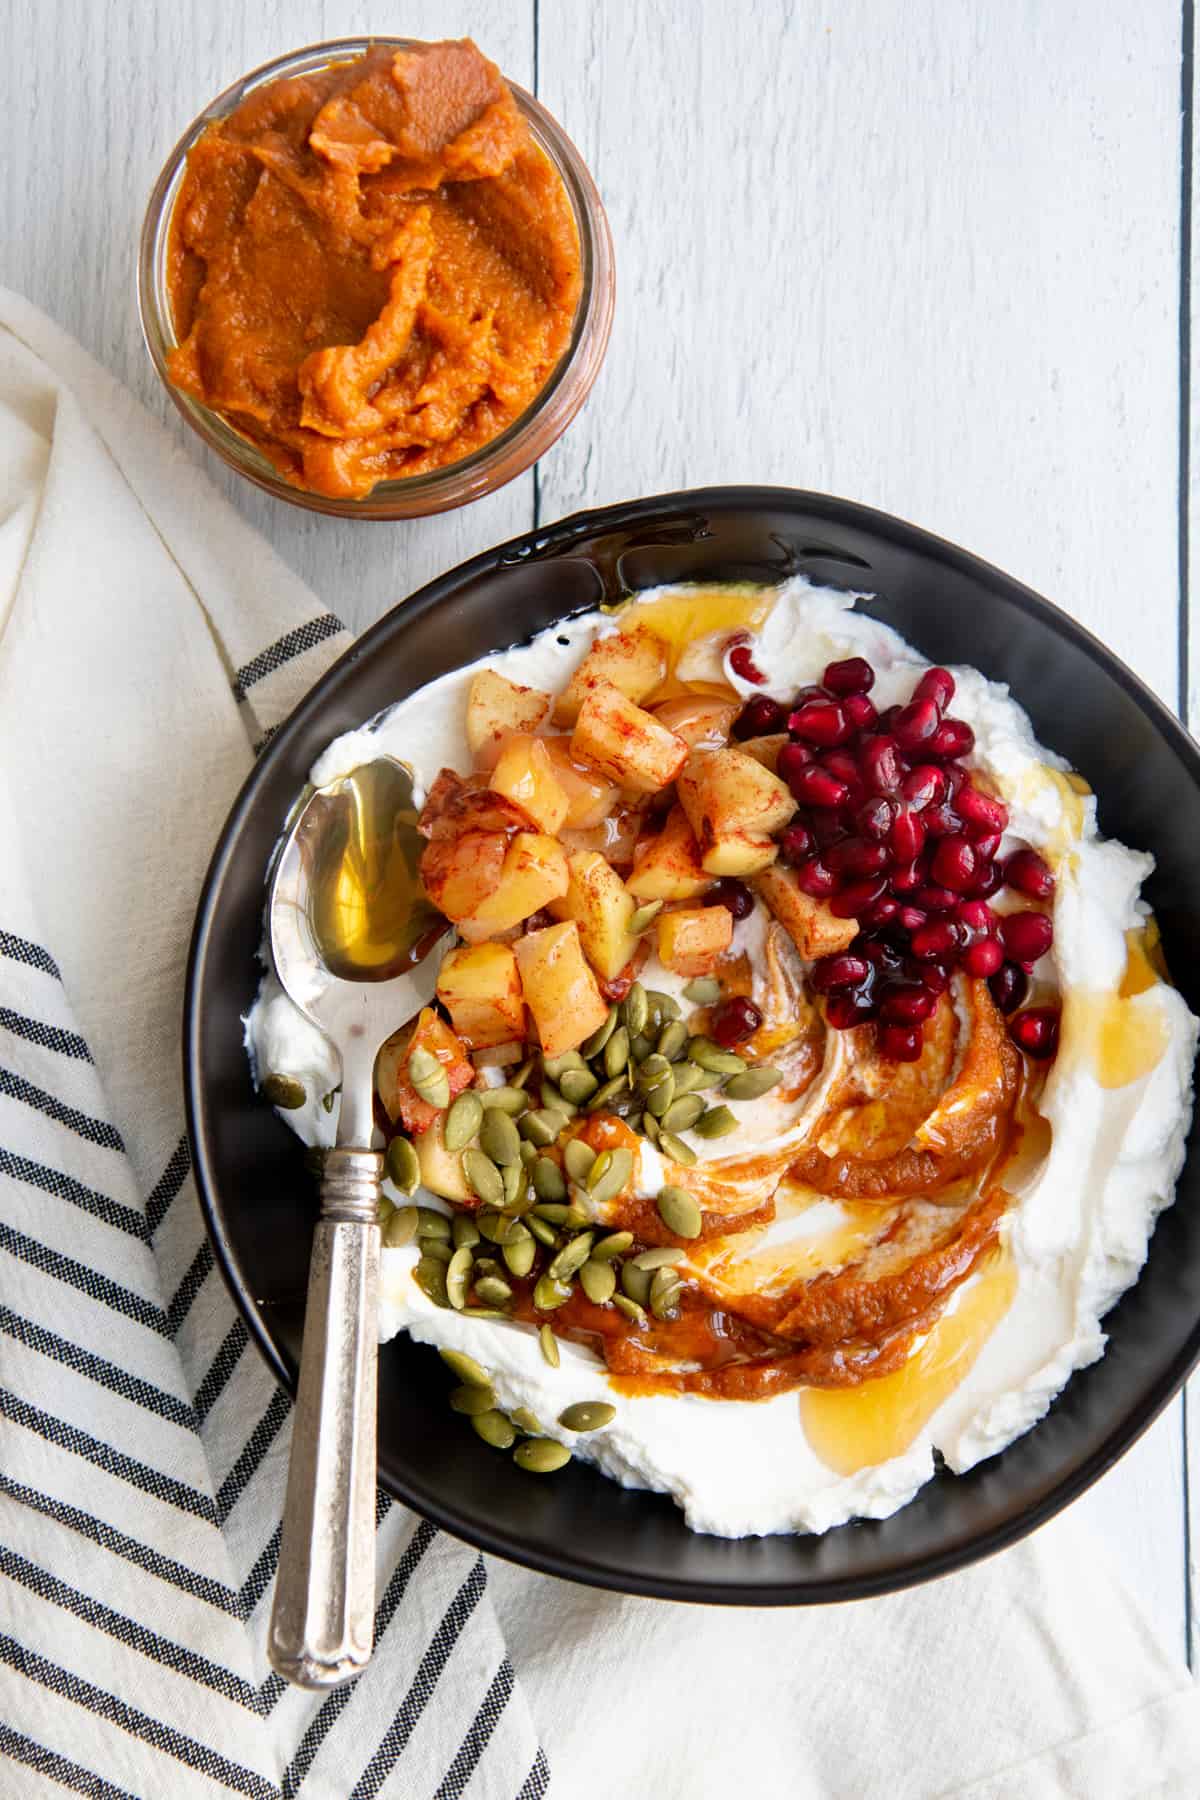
[(373, 270)]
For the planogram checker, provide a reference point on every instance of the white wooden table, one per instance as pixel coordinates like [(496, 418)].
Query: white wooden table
[(929, 254)]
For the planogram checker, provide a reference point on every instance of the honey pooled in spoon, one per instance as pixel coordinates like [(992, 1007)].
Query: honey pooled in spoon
[(370, 915)]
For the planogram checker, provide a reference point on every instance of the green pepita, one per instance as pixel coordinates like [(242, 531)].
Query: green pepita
[(493, 1291), (557, 1066), (662, 1256), (690, 1078), (615, 1244), (499, 1139), (495, 1430), (547, 1178), (383, 1211), (607, 1094), (592, 1046), (578, 1158), (541, 1128), (541, 1456), (702, 991), (548, 1344), (752, 1084), (527, 1421), (514, 1181), (465, 1231), (640, 1047), (429, 1079), (458, 1276), (717, 1122), (432, 1224), (555, 1212), (677, 1150), (653, 1072), (436, 1247), (643, 917), (679, 1213), (630, 1309), (609, 1184), (598, 1281), (636, 1010), (616, 1052), (462, 1121), (578, 1085), (328, 1099), (519, 1255), (650, 1126), (672, 1040), (529, 1153), (587, 1415), (661, 1098), (571, 1257), (542, 1230), (511, 1100), (466, 1368), (430, 1277), (401, 1228), (471, 1401), (682, 1114), (664, 1294), (666, 1004), (635, 1282), (483, 1177), (555, 1101), (549, 1294), (401, 1166), (284, 1091), (710, 1056)]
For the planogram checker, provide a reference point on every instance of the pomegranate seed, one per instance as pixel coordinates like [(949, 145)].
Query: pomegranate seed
[(879, 764), (956, 774), (814, 691), (906, 1004), (792, 758), (909, 878), (849, 901), (881, 912), (759, 717), (989, 878), (900, 1043), (906, 839), (953, 737), (936, 899), (941, 937), (842, 764), (911, 918), (852, 676), (986, 843), (935, 976), (1026, 936), (815, 786), (814, 878), (819, 722), (1009, 987), (979, 809), (1026, 871), (733, 895), (733, 1021), (874, 819), (795, 844), (827, 828), (861, 712), (983, 958), (844, 1011), (924, 786), (936, 685), (830, 973), (916, 724), (976, 916), (1035, 1031), (741, 661), (955, 863), (857, 856), (940, 821)]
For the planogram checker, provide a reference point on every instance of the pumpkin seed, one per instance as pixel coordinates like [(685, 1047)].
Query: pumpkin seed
[(541, 1456), (667, 1005), (541, 1128), (430, 1277), (679, 1213), (512, 1100), (578, 1158), (557, 1066), (422, 1064), (587, 1415), (702, 991), (462, 1121), (437, 1248), (653, 1072), (717, 1122), (640, 1048), (432, 1224), (284, 1091), (493, 1225), (594, 1045), (328, 1099), (682, 1114), (466, 1368), (571, 1257), (604, 1096), (632, 1311), (616, 1052), (383, 1210), (401, 1228), (493, 1291), (499, 1139), (598, 1281), (636, 1010), (522, 1075), (661, 1099), (578, 1085), (495, 1430), (608, 1185), (672, 1040), (615, 1244), (519, 1255), (484, 1178), (663, 1256), (549, 1345), (710, 1056), (644, 916), (599, 1169), (524, 1420), (484, 1312), (547, 1178), (555, 1212), (458, 1275), (464, 1231), (635, 1282), (529, 1153), (689, 1078), (471, 1401), (553, 1101), (428, 1079), (401, 1166), (541, 1229), (677, 1150), (753, 1084), (664, 1294), (650, 1126), (512, 1177), (549, 1294)]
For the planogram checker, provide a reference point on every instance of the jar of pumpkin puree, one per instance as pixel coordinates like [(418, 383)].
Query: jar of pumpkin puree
[(376, 277)]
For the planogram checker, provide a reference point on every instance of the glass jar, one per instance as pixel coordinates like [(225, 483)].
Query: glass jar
[(484, 470)]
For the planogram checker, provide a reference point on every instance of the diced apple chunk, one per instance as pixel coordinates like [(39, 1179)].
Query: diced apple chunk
[(633, 661), (669, 867), (460, 873), (560, 988), (692, 940), (701, 720), (810, 924), (601, 905), (441, 1169), (765, 750), (534, 873), (400, 1100), (591, 797), (525, 776), (496, 708), (481, 990), (733, 804), (626, 742)]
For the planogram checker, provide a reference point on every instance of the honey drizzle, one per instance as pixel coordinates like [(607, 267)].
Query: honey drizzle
[(680, 615), (369, 914)]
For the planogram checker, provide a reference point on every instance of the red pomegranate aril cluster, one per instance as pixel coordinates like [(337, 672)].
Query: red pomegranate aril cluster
[(892, 831), (733, 895), (733, 1021)]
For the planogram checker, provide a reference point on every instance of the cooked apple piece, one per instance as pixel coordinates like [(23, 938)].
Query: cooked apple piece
[(534, 873), (591, 797), (810, 924), (693, 939), (669, 867), (525, 776), (441, 1169), (765, 750), (560, 989), (400, 1101), (633, 661), (733, 804), (481, 990), (602, 906), (701, 720), (496, 709), (626, 742), (460, 873), (473, 808)]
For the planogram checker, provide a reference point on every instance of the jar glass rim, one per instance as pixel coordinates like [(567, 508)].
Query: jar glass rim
[(492, 464)]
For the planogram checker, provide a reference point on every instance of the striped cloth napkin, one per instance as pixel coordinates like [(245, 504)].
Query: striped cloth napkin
[(149, 642)]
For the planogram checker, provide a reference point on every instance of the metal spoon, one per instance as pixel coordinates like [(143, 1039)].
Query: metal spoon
[(348, 860)]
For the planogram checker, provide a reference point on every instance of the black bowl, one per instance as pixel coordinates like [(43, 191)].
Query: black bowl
[(258, 1200)]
